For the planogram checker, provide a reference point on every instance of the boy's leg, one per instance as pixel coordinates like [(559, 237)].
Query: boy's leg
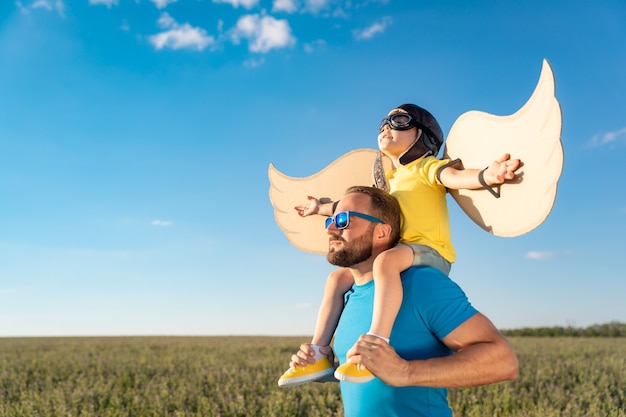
[(425, 255), (387, 300), (388, 291), (337, 284)]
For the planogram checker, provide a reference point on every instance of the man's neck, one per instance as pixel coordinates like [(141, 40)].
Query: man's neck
[(362, 273)]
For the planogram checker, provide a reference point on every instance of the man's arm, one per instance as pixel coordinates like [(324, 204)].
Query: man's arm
[(482, 356)]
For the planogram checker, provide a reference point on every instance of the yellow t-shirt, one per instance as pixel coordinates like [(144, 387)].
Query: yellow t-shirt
[(423, 202)]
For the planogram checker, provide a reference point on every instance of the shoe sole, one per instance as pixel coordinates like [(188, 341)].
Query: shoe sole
[(353, 379), (295, 381)]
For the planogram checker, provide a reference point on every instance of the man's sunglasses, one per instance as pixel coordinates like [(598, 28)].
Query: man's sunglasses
[(342, 219), (398, 121)]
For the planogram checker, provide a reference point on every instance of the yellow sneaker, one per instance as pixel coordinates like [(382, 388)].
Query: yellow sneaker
[(302, 374), (351, 372)]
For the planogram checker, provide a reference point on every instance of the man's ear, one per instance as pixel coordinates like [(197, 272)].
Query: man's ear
[(382, 231)]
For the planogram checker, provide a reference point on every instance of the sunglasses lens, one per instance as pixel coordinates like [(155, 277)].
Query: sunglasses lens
[(342, 220)]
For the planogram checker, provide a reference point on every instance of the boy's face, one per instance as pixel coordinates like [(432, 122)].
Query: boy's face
[(394, 143)]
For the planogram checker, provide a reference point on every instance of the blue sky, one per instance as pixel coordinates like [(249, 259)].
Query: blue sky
[(135, 137)]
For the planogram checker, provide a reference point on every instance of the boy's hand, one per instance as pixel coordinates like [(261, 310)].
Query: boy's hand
[(501, 170), (311, 207)]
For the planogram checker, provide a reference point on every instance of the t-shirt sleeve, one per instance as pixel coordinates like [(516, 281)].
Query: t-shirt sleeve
[(431, 168), (441, 303)]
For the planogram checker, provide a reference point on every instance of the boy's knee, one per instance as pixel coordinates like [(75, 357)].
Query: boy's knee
[(389, 256), (340, 275)]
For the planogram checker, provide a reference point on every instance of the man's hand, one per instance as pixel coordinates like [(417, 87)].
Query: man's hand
[(380, 358), (306, 355)]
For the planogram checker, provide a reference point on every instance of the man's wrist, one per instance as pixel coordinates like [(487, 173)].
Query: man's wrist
[(409, 373)]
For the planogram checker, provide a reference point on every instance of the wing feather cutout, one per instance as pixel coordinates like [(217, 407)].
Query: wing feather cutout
[(307, 233), (532, 134)]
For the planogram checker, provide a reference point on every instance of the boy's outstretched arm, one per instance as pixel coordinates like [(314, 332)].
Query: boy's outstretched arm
[(315, 206), (499, 171)]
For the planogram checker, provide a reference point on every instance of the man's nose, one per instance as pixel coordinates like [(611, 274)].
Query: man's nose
[(332, 230)]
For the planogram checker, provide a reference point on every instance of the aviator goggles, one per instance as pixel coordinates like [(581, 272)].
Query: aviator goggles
[(398, 121), (342, 219)]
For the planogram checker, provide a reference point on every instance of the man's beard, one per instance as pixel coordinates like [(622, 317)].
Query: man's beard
[(352, 253)]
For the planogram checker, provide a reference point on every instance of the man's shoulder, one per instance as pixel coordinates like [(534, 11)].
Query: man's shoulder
[(430, 291), (425, 279), (423, 271)]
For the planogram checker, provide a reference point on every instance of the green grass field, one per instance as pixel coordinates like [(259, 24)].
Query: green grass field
[(236, 376)]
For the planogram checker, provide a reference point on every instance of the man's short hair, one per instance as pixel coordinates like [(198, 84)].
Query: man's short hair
[(384, 206)]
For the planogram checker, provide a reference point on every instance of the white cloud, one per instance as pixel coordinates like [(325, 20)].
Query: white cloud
[(180, 36), (310, 6), (304, 306), (183, 37), (163, 223), (311, 47), (42, 4), (609, 137), (540, 255), (263, 33), (48, 5), (107, 3), (288, 6), (376, 28), (248, 4), (166, 21), (253, 63), (162, 4), (315, 6)]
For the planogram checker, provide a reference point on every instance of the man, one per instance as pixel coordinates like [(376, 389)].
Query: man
[(440, 340)]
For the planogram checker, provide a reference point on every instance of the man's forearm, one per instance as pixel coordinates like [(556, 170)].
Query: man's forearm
[(478, 364)]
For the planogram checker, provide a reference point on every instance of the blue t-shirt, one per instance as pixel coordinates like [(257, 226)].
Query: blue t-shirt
[(432, 306)]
